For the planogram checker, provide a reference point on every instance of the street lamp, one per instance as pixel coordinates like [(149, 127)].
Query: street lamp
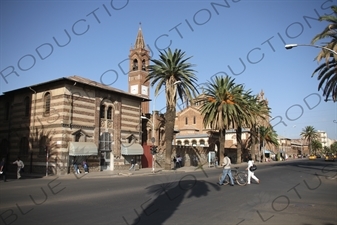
[(290, 46), (153, 139)]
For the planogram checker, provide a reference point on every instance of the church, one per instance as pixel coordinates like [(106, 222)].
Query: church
[(58, 123)]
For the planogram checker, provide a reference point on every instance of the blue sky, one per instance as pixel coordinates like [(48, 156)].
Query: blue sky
[(244, 39)]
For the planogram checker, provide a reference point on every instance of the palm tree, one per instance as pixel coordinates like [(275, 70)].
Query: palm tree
[(259, 112), (316, 146), (173, 72), (255, 110), (309, 134), (327, 71), (223, 105), (267, 135)]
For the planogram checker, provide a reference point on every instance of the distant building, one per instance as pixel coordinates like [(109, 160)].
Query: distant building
[(323, 138)]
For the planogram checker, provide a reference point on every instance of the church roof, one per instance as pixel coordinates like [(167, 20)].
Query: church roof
[(82, 80)]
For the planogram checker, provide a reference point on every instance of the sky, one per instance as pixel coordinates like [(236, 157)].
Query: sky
[(45, 40)]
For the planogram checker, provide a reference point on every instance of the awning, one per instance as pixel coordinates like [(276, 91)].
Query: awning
[(132, 149), (269, 152), (82, 148)]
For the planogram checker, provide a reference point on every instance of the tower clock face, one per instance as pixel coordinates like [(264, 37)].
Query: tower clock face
[(145, 90), (134, 89)]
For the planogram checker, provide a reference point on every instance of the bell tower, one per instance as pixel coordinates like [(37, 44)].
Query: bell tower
[(139, 60)]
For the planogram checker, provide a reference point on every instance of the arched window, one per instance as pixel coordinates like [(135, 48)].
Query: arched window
[(194, 143), (179, 143), (102, 111), (135, 65), (186, 143), (27, 106), (186, 120), (109, 113), (78, 137), (143, 65), (46, 106), (24, 146), (202, 142)]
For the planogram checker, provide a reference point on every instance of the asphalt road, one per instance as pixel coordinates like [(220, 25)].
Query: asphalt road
[(300, 192)]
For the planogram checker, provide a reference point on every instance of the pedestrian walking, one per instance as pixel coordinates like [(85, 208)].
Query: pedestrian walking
[(76, 169), (175, 162), (3, 169), (195, 161), (20, 166), (226, 171), (250, 172), (179, 161), (85, 167), (133, 162)]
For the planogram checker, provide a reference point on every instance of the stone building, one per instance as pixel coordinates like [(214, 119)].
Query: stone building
[(193, 134), (54, 124)]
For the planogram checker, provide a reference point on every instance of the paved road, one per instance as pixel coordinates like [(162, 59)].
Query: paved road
[(299, 192)]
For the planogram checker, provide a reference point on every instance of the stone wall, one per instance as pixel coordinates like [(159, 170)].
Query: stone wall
[(189, 156)]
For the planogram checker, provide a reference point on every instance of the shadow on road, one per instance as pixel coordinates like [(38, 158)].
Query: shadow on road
[(167, 197)]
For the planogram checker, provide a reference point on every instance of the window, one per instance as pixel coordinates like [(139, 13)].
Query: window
[(194, 143), (78, 137), (7, 111), (186, 120), (186, 143), (202, 142), (143, 65), (102, 111), (179, 143), (4, 147), (24, 146), (43, 145), (135, 65), (194, 120), (109, 114), (105, 142), (27, 106), (46, 104)]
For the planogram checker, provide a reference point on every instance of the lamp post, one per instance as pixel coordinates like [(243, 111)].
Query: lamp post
[(153, 139), (290, 46)]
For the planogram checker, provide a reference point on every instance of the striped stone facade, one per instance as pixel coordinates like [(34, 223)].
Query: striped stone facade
[(45, 117)]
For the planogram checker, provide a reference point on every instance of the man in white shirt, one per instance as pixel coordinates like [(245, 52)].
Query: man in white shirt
[(20, 166), (226, 171)]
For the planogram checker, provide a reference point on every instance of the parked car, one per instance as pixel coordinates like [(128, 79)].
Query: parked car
[(312, 157), (329, 157)]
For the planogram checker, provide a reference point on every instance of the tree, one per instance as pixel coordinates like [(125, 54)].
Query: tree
[(173, 72), (309, 134), (256, 111), (333, 148), (223, 105), (316, 146), (327, 71), (259, 113), (267, 135)]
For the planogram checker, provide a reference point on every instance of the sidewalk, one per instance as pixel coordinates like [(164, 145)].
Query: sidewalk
[(139, 172), (115, 173)]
